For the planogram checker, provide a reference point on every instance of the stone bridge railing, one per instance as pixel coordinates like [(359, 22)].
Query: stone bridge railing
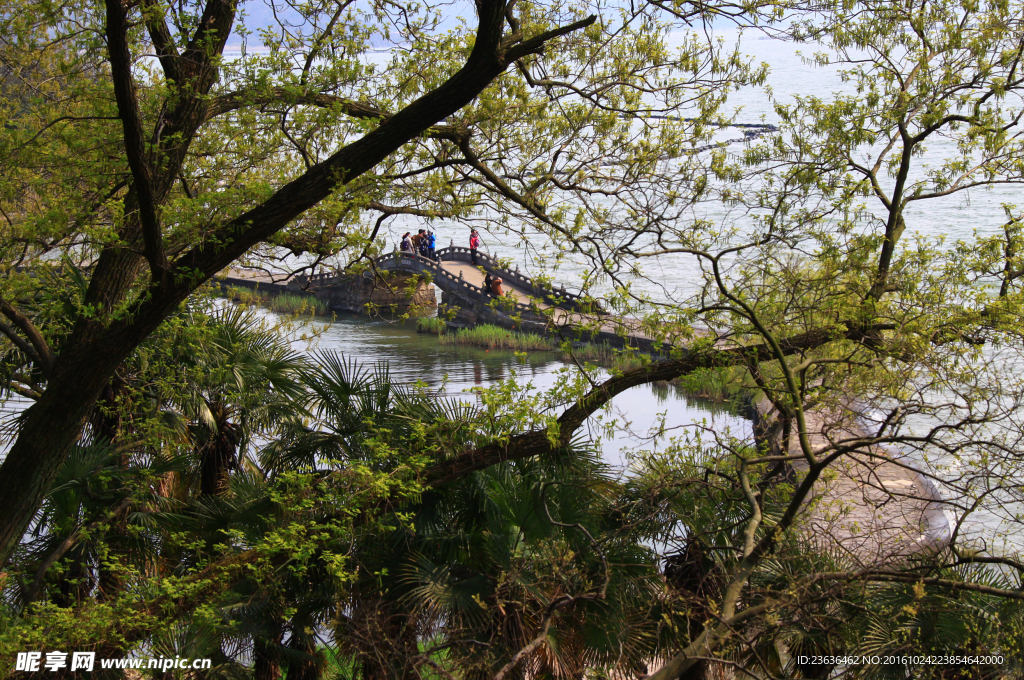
[(556, 297), (452, 284), (415, 263)]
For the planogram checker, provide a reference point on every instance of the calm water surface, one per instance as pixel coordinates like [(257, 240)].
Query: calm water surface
[(455, 370)]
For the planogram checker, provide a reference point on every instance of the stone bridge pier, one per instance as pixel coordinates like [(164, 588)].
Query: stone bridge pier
[(394, 292)]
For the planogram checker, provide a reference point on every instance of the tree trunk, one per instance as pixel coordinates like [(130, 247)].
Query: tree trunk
[(219, 455), (266, 658), (693, 575), (48, 429)]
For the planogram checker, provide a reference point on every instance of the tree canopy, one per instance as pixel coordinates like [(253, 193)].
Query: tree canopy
[(158, 173), (148, 146)]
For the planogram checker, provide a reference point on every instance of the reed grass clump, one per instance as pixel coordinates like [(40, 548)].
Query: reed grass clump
[(291, 304), (493, 337), (297, 305), (600, 352), (431, 325), (603, 354), (247, 296), (715, 384)]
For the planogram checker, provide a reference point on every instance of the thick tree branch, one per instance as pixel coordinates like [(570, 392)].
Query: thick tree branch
[(233, 101), (163, 41), (134, 141), (895, 577), (208, 41), (536, 44), (402, 210), (21, 343), (24, 391), (39, 350)]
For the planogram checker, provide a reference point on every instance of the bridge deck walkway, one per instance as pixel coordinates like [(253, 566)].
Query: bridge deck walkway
[(472, 273), (560, 317)]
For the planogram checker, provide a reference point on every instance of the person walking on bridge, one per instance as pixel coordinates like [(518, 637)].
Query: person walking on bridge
[(474, 243)]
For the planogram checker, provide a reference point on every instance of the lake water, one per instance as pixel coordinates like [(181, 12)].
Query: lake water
[(455, 370)]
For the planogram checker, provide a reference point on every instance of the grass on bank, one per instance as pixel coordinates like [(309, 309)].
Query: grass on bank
[(299, 305), (715, 384)]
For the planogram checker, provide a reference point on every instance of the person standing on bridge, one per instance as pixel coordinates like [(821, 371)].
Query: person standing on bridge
[(496, 287), (474, 243), (406, 246), (424, 244), (431, 246)]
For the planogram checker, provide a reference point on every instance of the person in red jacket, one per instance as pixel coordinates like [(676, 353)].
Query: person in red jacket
[(474, 243)]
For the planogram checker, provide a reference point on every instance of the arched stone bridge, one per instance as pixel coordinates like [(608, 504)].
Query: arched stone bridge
[(527, 305), (454, 273)]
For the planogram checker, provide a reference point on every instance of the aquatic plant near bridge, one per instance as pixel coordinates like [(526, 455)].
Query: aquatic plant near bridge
[(290, 304), (432, 325), (495, 337), (300, 305)]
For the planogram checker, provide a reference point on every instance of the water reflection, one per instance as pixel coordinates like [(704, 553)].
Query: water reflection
[(455, 369)]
